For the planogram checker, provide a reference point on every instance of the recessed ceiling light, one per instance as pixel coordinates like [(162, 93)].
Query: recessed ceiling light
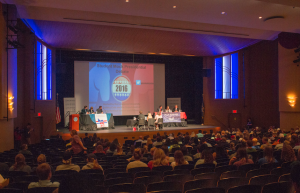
[(127, 1), (174, 6), (223, 13), (260, 18)]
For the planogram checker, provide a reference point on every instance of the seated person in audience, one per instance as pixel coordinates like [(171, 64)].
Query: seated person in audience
[(44, 173), (185, 152), (77, 145), (295, 176), (241, 158), (220, 153), (3, 167), (24, 150), (288, 153), (268, 156), (250, 146), (137, 163), (67, 163), (152, 150), (158, 142), (200, 134), (265, 143), (92, 163), (218, 137), (112, 148), (174, 145), (132, 148), (167, 142), (149, 144), (176, 109), (99, 149), (223, 143), (255, 143), (119, 151), (179, 160), (298, 159), (77, 183), (187, 141), (203, 141), (200, 148), (280, 144), (20, 164), (168, 110), (206, 158), (231, 147), (139, 140), (40, 160), (166, 150), (144, 140), (159, 159), (86, 139)]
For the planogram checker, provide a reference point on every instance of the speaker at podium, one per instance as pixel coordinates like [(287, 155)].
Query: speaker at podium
[(74, 122)]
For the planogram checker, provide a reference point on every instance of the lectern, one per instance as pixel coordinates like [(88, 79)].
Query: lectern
[(74, 122)]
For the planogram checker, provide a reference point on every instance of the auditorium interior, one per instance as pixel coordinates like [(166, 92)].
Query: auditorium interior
[(227, 61)]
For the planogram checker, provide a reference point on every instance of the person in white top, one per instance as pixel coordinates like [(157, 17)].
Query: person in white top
[(158, 116), (168, 110)]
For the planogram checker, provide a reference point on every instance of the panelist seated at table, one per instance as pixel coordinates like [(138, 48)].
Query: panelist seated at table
[(141, 116), (99, 111), (149, 116), (158, 116), (168, 110), (91, 111), (85, 110), (176, 109), (159, 109)]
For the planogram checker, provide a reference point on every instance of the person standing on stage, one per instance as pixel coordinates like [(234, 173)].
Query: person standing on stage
[(92, 110), (176, 109), (168, 110), (27, 132), (100, 111), (85, 110), (159, 109)]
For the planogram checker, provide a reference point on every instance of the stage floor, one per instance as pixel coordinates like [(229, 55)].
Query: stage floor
[(124, 129)]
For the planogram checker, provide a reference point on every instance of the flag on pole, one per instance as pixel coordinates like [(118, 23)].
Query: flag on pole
[(58, 117)]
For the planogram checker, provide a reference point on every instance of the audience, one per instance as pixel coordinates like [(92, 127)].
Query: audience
[(250, 148), (99, 149), (288, 153), (92, 163), (166, 150), (268, 156), (220, 153), (67, 163), (20, 164), (174, 145), (179, 159), (24, 150), (137, 163), (185, 152), (200, 134), (206, 158), (159, 159), (44, 173), (241, 158), (158, 142)]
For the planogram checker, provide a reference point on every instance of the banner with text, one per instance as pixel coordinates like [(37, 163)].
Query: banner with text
[(171, 117), (101, 120)]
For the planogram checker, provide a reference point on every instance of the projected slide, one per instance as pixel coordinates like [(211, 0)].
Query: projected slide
[(121, 88)]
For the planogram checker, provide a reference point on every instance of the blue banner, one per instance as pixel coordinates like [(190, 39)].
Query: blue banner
[(171, 117)]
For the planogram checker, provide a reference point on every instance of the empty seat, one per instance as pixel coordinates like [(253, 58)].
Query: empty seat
[(233, 174), (286, 164), (10, 190), (132, 188), (212, 175), (257, 172), (285, 178), (245, 189), (162, 168), (64, 172), (184, 167), (119, 175), (91, 171), (248, 167), (27, 178), (282, 187), (166, 191), (158, 186), (205, 166), (222, 169), (206, 190), (114, 170), (41, 190), (263, 179), (270, 165), (227, 183), (147, 173), (205, 183), (140, 169), (147, 180), (114, 181), (179, 177), (167, 173), (201, 171), (280, 171)]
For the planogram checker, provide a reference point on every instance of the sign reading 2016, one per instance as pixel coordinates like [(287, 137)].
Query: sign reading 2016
[(121, 88)]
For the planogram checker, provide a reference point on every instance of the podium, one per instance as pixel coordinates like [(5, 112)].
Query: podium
[(74, 122)]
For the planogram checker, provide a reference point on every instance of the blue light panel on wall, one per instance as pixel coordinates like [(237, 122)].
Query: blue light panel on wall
[(49, 78), (234, 76), (39, 71), (218, 78)]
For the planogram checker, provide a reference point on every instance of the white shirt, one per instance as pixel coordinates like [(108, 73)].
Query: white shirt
[(168, 111), (157, 117)]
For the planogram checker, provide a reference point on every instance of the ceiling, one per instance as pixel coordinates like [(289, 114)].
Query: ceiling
[(194, 27)]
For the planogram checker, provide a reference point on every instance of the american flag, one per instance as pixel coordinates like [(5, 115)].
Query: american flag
[(58, 118)]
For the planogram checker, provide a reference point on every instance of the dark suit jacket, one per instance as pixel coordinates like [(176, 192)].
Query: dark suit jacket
[(99, 111), (157, 110), (173, 110), (91, 111), (84, 111), (141, 116)]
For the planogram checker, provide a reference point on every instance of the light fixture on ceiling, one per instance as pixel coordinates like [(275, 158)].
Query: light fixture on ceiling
[(174, 6), (127, 1), (260, 17), (223, 13)]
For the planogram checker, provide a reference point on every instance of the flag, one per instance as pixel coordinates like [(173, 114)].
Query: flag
[(58, 118)]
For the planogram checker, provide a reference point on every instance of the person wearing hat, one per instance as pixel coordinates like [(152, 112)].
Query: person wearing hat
[(67, 163), (92, 163)]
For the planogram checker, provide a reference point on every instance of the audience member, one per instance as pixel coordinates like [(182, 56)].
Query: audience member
[(241, 158), (67, 163), (200, 134), (206, 158), (174, 145), (24, 150), (268, 156), (255, 144), (166, 150), (220, 153), (280, 144), (119, 151), (158, 142), (77, 145), (179, 159), (112, 148), (185, 152), (139, 140), (99, 149), (287, 153), (200, 148), (92, 163), (159, 159), (40, 160), (265, 142), (44, 173), (250, 148), (137, 163), (20, 164)]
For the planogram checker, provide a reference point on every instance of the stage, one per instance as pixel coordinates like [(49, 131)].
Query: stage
[(125, 133)]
